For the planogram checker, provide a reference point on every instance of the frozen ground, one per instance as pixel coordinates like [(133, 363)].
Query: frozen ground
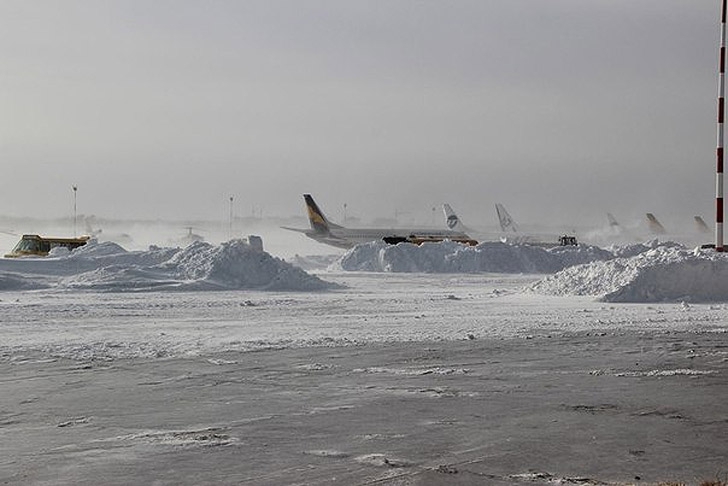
[(393, 378)]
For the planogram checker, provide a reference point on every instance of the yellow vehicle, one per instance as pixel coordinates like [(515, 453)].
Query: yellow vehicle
[(34, 245)]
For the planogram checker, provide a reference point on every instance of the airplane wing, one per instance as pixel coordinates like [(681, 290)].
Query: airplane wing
[(298, 230)]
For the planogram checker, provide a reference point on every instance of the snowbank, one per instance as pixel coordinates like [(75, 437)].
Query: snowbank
[(16, 281), (649, 272), (313, 262), (626, 251), (238, 265), (450, 257), (662, 274), (201, 266)]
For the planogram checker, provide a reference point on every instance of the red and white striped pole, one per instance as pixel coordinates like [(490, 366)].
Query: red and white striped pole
[(719, 151)]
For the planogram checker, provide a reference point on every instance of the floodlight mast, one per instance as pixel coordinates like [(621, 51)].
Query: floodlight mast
[(75, 190), (230, 220), (719, 151)]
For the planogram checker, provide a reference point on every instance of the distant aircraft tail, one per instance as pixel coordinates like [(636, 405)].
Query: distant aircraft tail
[(654, 225), (700, 224), (452, 220), (316, 217), (613, 223), (506, 222)]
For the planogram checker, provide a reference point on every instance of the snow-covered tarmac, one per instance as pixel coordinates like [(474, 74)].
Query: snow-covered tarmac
[(391, 379)]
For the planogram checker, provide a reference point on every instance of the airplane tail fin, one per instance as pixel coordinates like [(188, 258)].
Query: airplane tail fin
[(451, 219), (316, 217), (613, 223), (702, 227), (654, 225), (505, 220)]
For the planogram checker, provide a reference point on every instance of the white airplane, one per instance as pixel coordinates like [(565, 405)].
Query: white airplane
[(506, 222), (509, 230), (324, 231)]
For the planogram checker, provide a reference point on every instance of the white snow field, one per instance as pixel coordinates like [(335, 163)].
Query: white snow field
[(219, 364)]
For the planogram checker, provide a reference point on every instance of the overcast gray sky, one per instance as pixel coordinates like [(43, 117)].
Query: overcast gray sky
[(560, 109)]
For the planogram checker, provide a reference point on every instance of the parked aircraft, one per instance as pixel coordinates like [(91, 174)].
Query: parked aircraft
[(700, 225), (696, 236), (654, 225), (453, 221), (93, 230), (648, 229), (506, 222), (324, 231), (613, 223), (509, 234)]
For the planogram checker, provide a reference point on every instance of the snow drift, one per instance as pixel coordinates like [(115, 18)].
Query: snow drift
[(662, 274), (200, 266), (648, 272), (450, 257)]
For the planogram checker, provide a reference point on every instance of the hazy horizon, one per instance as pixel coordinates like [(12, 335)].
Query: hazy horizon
[(562, 110)]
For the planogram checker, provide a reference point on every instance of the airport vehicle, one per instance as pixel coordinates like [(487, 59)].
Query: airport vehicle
[(35, 245), (324, 231)]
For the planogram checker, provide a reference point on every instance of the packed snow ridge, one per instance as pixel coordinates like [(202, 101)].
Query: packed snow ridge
[(652, 272), (649, 272), (200, 266), (661, 274), (451, 257)]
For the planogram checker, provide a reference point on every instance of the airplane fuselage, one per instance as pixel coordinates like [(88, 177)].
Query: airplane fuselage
[(349, 237)]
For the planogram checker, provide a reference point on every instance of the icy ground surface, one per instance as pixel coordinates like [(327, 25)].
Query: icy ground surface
[(394, 379), (371, 307)]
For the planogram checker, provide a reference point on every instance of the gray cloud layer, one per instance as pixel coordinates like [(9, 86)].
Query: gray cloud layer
[(561, 109)]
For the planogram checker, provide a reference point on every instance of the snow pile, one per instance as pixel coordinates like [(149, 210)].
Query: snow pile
[(16, 281), (201, 266), (663, 274), (626, 251), (235, 264), (450, 257), (313, 262)]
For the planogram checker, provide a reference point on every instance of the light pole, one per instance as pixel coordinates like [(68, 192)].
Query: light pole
[(75, 190), (230, 224)]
